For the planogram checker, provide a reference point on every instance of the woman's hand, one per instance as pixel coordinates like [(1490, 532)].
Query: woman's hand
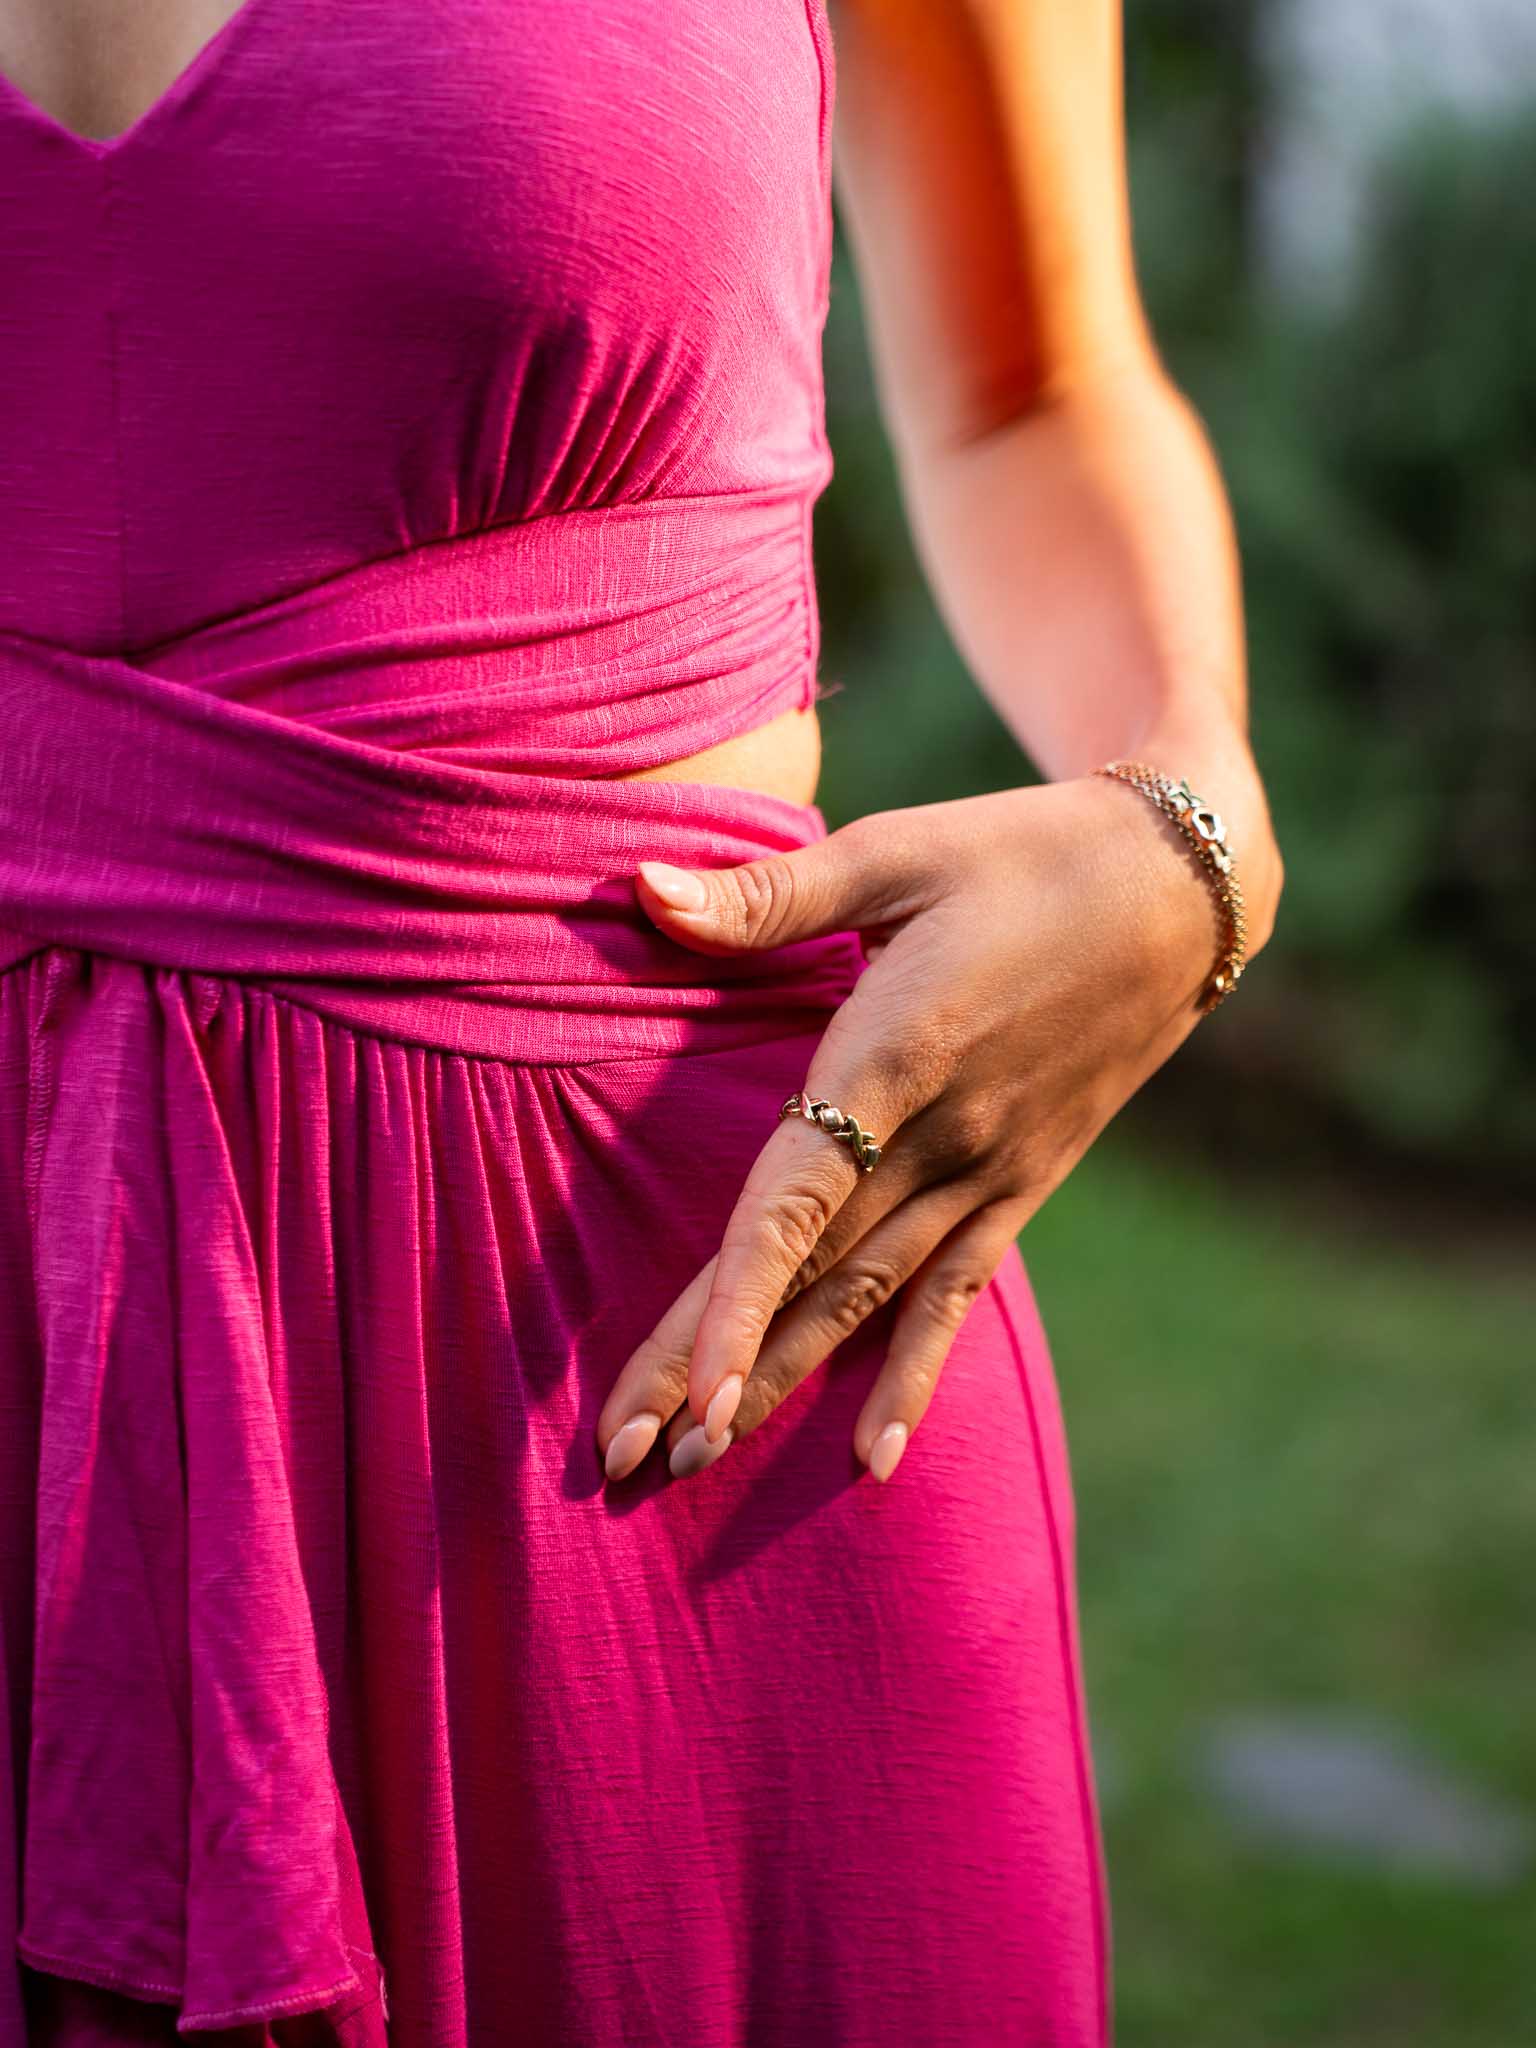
[(1035, 956)]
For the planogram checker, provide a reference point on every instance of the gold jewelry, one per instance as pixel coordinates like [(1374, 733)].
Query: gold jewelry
[(836, 1125), (1203, 828)]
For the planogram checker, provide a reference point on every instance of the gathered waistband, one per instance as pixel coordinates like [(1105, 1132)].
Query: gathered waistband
[(345, 836), (587, 643)]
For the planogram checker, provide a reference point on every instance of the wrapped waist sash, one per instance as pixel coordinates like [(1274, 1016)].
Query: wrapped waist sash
[(385, 797)]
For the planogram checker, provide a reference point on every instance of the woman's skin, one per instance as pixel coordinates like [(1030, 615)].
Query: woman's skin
[(96, 65), (1037, 954)]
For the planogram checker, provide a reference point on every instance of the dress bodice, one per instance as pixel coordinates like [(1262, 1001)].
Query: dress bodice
[(369, 280)]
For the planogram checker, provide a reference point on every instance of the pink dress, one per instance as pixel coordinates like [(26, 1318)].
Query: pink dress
[(409, 424)]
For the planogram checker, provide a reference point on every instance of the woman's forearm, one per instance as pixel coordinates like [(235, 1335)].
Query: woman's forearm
[(1083, 557)]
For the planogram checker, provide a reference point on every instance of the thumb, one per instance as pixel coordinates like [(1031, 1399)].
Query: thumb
[(856, 877)]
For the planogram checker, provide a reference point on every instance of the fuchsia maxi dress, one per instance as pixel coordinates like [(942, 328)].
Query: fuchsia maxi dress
[(407, 426)]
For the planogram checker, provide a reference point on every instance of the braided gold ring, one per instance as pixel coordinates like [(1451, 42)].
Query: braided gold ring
[(833, 1121)]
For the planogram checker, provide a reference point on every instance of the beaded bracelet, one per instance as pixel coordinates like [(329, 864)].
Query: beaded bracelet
[(1204, 830)]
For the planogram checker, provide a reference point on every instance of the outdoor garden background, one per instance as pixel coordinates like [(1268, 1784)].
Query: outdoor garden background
[(1291, 1289)]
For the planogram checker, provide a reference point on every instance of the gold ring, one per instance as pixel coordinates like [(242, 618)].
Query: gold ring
[(836, 1125)]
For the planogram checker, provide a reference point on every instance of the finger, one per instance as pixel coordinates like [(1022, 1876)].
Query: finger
[(803, 1335), (653, 1382), (877, 870), (944, 1144), (797, 1184), (935, 1302)]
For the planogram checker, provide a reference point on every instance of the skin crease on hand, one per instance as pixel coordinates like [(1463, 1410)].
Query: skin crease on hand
[(1036, 954)]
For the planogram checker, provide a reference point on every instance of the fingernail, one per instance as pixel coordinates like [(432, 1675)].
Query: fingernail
[(630, 1445), (693, 1453), (684, 891), (888, 1447), (723, 1403)]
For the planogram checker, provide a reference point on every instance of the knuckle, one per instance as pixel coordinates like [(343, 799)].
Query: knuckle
[(817, 1263), (948, 1297), (794, 1221), (971, 1128), (763, 891), (922, 1065), (894, 1071), (860, 1292)]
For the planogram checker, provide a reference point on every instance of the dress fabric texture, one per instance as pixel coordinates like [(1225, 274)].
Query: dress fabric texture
[(409, 426)]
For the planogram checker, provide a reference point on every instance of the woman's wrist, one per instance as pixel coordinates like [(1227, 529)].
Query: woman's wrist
[(1176, 920), (1202, 835), (1216, 760)]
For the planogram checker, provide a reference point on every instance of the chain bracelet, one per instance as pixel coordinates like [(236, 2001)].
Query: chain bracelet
[(1203, 828)]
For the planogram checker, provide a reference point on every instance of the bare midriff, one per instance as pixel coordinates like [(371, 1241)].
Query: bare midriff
[(781, 758)]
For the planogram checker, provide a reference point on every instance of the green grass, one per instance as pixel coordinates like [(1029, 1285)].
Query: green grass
[(1305, 1466)]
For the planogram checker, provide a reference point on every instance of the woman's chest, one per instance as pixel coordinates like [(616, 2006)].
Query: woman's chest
[(367, 274)]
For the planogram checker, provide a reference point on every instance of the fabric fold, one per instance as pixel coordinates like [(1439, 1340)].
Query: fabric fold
[(185, 1840), (479, 909)]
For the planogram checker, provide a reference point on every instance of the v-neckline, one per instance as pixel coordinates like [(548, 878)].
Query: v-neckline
[(201, 68)]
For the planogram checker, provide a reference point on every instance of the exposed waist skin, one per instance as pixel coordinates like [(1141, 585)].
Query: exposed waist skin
[(781, 758)]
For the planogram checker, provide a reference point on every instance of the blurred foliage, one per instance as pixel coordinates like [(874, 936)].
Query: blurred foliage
[(1381, 456), (1382, 460), (1324, 1508)]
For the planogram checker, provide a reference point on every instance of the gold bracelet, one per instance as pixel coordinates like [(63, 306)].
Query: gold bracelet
[(1204, 830)]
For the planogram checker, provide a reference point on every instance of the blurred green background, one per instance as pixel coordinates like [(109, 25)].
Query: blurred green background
[(1291, 1289)]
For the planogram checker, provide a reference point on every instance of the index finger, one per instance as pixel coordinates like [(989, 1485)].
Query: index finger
[(797, 1184)]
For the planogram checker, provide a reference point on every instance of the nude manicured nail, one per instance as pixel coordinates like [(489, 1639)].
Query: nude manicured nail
[(693, 1453), (684, 891), (723, 1404), (630, 1445), (888, 1447)]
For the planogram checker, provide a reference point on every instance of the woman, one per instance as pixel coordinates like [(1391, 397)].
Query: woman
[(412, 419)]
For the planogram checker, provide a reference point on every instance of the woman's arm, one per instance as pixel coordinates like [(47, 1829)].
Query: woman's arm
[(1035, 954), (1063, 498)]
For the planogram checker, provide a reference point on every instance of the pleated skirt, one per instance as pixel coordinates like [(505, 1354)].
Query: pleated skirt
[(347, 1704)]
